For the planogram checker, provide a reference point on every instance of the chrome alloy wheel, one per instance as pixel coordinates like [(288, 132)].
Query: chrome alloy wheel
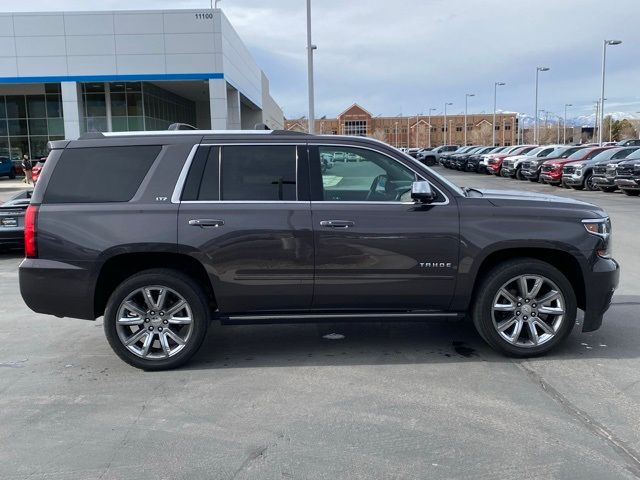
[(154, 322), (528, 310)]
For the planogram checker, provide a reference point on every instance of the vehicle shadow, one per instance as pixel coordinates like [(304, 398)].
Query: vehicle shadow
[(373, 343)]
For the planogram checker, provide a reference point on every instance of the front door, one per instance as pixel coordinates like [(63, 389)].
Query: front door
[(245, 214), (375, 248)]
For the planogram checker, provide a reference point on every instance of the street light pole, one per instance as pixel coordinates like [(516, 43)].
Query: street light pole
[(430, 110), (604, 62), (466, 99), (495, 98), (444, 137), (310, 48), (535, 124), (396, 142), (564, 138)]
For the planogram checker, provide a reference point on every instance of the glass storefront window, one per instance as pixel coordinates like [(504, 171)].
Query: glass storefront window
[(119, 124), (118, 105), (52, 88), (95, 105), (55, 126), (18, 126), (28, 122), (135, 123), (38, 127), (38, 146), (16, 106), (54, 106), (36, 106), (134, 104)]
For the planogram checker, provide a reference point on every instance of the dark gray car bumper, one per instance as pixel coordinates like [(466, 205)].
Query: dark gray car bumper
[(600, 284), (57, 288)]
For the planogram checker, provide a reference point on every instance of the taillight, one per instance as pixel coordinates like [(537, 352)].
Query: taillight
[(30, 243)]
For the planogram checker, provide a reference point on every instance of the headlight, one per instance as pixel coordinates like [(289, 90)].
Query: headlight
[(600, 227)]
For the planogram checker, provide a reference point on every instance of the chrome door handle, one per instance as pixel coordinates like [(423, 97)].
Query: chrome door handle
[(205, 222), (337, 223)]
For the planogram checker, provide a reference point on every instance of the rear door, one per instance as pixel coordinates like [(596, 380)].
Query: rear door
[(375, 248), (245, 214)]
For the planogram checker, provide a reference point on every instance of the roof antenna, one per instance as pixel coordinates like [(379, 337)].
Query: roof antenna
[(261, 126)]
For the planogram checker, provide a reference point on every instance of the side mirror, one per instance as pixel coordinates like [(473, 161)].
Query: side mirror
[(422, 192)]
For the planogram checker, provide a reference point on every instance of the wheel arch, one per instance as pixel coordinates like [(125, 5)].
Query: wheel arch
[(564, 261), (120, 267)]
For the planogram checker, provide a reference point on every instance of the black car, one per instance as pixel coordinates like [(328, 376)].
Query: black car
[(245, 228), (471, 161), (604, 173), (12, 220), (627, 177), (449, 160)]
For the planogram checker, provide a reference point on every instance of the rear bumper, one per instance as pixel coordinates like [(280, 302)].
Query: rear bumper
[(57, 288), (11, 237), (600, 283)]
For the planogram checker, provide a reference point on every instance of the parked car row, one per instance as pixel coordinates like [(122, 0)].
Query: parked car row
[(583, 167)]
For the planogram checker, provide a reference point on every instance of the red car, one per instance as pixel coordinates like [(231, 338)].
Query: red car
[(494, 163), (551, 171), (37, 168)]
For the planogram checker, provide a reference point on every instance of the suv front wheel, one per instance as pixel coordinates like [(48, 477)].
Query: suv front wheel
[(524, 307), (156, 319)]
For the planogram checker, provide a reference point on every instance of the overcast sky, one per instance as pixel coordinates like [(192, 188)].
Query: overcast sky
[(405, 56)]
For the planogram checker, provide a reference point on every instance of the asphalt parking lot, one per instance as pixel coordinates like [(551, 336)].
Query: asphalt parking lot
[(394, 400)]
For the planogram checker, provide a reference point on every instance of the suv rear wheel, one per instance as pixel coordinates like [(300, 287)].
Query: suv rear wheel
[(156, 319), (525, 307)]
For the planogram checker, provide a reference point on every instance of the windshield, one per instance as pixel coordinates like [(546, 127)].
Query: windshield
[(535, 151), (606, 155), (570, 151), (577, 155), (634, 156)]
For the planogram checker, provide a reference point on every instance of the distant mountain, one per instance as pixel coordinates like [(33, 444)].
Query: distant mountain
[(579, 121)]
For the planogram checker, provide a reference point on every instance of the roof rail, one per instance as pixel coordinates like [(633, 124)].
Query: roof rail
[(181, 126), (91, 136), (288, 132)]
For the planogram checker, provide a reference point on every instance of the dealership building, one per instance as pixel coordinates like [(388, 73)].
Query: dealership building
[(66, 73)]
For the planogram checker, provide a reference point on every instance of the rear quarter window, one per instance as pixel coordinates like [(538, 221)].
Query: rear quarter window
[(99, 174)]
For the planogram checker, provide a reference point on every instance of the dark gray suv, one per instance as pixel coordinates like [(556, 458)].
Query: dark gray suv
[(161, 232)]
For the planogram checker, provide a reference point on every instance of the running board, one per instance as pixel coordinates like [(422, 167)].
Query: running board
[(331, 316)]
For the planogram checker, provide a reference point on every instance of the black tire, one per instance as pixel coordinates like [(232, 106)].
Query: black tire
[(12, 173), (631, 193), (589, 183), (488, 289), (180, 283), (519, 175)]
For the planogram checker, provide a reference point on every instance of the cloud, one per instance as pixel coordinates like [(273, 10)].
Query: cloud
[(409, 55)]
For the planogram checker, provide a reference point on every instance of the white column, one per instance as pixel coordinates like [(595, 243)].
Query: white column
[(71, 109), (218, 103), (233, 109)]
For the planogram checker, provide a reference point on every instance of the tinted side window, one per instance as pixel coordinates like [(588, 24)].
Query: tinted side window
[(259, 172), (99, 174), (203, 181)]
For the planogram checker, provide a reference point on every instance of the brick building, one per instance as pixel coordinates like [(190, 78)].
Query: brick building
[(417, 130)]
